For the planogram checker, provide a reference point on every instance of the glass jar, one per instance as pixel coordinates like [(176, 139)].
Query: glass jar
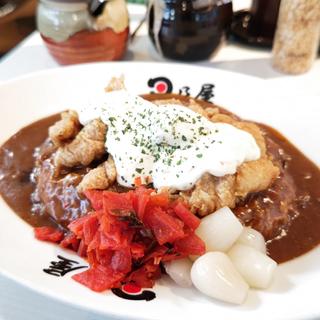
[(297, 36), (77, 31), (188, 30)]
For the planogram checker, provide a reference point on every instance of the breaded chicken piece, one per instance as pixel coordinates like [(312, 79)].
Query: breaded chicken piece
[(101, 177), (254, 176), (65, 129), (87, 146), (194, 106), (211, 193), (226, 191), (166, 101), (221, 117), (115, 84), (202, 198)]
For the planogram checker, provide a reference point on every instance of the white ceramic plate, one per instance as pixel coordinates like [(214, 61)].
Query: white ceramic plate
[(294, 293)]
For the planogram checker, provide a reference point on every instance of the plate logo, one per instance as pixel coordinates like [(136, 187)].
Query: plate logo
[(62, 266), (163, 84), (160, 85), (129, 291)]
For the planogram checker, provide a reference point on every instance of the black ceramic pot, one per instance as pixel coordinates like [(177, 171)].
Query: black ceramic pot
[(188, 30)]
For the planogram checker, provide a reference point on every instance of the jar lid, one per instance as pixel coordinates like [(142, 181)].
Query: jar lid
[(67, 1)]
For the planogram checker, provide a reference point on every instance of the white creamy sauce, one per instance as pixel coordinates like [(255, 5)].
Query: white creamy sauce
[(169, 145)]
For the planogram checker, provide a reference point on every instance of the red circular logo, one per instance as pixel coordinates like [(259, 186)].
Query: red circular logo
[(161, 87), (131, 288)]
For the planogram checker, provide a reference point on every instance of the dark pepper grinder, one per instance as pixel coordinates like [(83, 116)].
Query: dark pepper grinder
[(188, 30)]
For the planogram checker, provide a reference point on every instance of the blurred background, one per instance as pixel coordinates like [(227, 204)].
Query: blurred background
[(77, 31), (17, 20)]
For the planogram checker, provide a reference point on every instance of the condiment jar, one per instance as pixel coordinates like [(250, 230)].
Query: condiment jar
[(188, 30), (257, 25), (297, 35), (264, 15), (77, 31)]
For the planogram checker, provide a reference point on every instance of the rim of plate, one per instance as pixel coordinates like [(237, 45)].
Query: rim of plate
[(46, 291), (111, 63)]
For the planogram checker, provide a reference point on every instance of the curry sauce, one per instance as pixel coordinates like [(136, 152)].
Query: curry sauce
[(299, 235)]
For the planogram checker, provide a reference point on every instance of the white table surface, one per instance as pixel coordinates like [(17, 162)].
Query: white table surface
[(20, 303)]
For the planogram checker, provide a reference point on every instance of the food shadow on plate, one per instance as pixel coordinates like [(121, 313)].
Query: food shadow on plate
[(252, 302), (281, 283), (19, 302), (285, 274), (307, 263)]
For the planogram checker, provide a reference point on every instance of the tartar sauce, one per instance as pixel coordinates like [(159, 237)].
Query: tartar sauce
[(169, 145)]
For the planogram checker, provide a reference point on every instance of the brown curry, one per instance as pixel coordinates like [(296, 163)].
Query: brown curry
[(289, 234)]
